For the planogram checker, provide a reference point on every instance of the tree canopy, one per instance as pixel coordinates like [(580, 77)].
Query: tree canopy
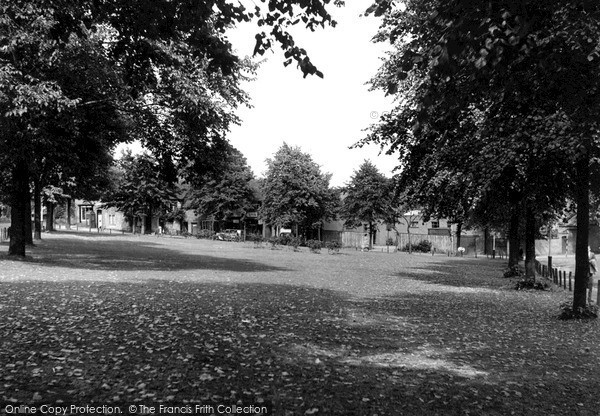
[(77, 78), (296, 192), (367, 198), (497, 103)]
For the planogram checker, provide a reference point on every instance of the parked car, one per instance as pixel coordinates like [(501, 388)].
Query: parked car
[(229, 235)]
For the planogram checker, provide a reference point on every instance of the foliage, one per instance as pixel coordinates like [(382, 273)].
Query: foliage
[(483, 116), (423, 246), (528, 284), (139, 189), (77, 78), (367, 198), (274, 242), (513, 271), (229, 192), (296, 192), (333, 246), (390, 241), (587, 312), (314, 245), (205, 233)]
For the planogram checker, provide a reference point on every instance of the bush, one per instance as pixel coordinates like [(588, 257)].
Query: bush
[(390, 242), (530, 285), (424, 246), (274, 241), (589, 312), (294, 242), (314, 245), (513, 271), (333, 246), (285, 239), (205, 234)]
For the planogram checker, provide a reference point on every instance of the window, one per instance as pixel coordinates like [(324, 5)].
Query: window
[(435, 224), (112, 219), (84, 213), (414, 224)]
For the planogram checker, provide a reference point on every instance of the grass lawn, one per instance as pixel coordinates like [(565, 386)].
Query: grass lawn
[(120, 320)]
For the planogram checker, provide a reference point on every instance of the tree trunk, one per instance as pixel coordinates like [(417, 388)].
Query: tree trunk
[(18, 212), (370, 236), (409, 239), (49, 216), (530, 243), (68, 213), (583, 221), (28, 231), (143, 224), (37, 210), (458, 233), (513, 237)]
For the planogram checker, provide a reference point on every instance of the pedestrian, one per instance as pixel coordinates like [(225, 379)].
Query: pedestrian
[(592, 273)]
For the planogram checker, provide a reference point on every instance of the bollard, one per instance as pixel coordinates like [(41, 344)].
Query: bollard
[(570, 287)]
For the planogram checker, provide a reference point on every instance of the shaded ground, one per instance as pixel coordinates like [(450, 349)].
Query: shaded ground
[(130, 320)]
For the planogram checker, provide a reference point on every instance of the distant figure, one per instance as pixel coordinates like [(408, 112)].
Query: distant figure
[(365, 243), (159, 231), (592, 263)]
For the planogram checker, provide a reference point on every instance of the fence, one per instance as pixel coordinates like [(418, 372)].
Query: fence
[(560, 277)]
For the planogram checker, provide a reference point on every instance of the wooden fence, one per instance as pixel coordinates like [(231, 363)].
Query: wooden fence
[(561, 278)]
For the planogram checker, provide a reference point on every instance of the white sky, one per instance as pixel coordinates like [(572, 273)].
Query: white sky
[(321, 116)]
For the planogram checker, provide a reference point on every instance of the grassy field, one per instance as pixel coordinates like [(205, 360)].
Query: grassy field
[(120, 320)]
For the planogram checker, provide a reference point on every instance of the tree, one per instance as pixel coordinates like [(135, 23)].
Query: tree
[(140, 191), (296, 192), (227, 193), (368, 198)]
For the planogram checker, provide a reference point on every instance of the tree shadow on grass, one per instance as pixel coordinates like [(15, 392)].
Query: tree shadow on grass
[(300, 348), (131, 254), (460, 273)]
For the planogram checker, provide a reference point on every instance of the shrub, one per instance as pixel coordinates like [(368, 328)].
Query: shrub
[(274, 241), (423, 246), (204, 233), (530, 285), (513, 271), (294, 242), (314, 245), (589, 312), (333, 246), (285, 239), (390, 242)]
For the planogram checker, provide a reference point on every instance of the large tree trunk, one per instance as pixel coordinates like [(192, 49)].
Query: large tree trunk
[(513, 237), (49, 216), (582, 198), (28, 230), (530, 243), (37, 210), (19, 214), (370, 236)]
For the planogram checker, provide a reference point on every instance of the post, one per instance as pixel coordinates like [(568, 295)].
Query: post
[(570, 287), (550, 263), (598, 293), (494, 246)]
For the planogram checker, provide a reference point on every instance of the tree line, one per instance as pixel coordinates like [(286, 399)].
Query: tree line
[(497, 115), (79, 77)]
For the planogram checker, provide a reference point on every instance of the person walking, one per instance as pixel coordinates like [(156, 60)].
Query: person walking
[(592, 273)]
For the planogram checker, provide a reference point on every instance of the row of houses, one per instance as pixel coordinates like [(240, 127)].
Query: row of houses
[(440, 232)]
